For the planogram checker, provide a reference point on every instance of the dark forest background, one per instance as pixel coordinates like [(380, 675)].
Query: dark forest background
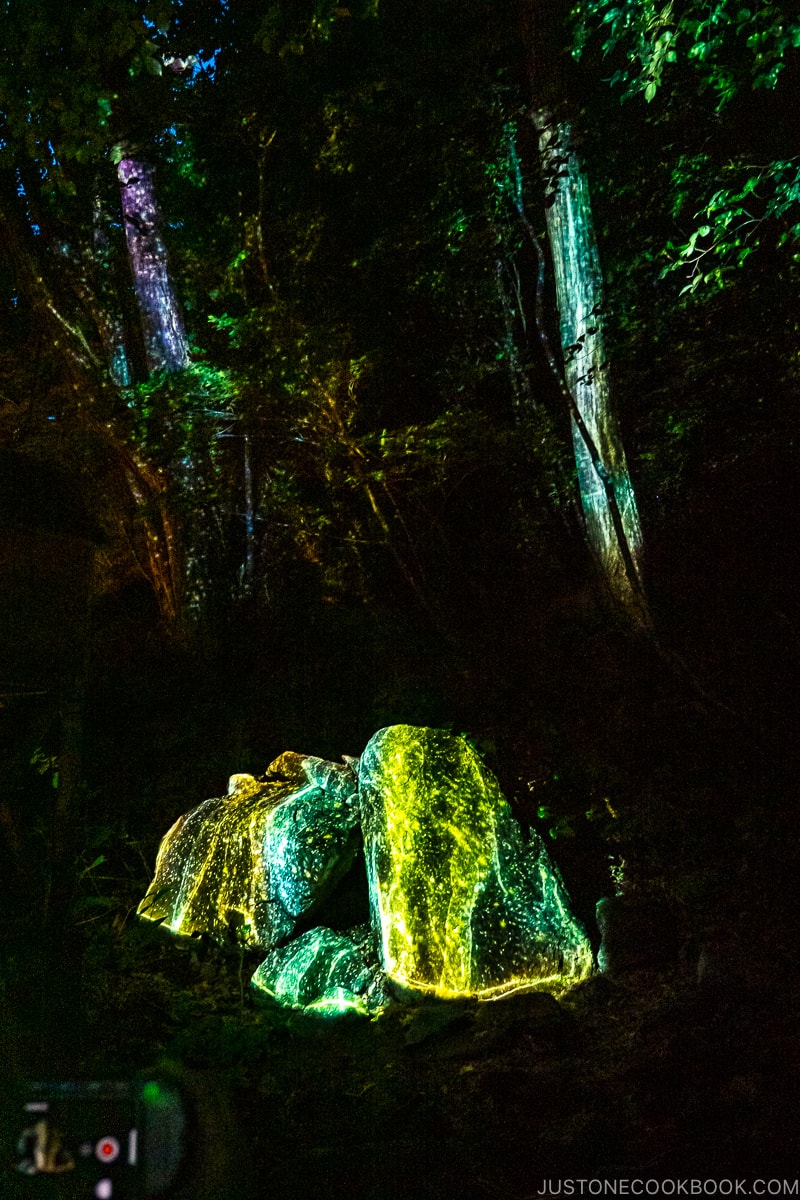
[(353, 503)]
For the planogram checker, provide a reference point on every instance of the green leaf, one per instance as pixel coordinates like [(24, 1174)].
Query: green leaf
[(101, 858)]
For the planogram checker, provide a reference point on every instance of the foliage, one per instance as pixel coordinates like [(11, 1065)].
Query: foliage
[(322, 175), (733, 219), (726, 44), (711, 59), (65, 78)]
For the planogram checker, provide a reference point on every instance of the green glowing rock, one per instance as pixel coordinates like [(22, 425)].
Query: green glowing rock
[(312, 837), (255, 861), (324, 972), (462, 904)]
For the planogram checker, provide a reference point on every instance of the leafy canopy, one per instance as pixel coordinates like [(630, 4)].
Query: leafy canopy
[(725, 43), (707, 59)]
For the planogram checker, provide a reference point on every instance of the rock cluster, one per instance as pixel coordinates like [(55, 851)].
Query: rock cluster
[(461, 904)]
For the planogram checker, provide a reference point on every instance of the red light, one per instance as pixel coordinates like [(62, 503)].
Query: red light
[(107, 1149)]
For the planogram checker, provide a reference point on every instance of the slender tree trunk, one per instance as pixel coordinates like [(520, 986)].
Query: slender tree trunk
[(248, 573), (511, 306), (117, 321), (165, 341), (609, 505)]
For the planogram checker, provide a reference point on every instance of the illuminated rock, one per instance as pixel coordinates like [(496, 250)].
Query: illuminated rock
[(462, 905), (255, 861), (311, 838), (325, 972)]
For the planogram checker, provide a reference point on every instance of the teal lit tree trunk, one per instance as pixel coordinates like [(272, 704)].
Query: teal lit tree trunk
[(166, 347), (609, 505)]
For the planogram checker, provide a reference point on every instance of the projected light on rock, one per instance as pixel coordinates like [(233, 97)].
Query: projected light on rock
[(462, 905), (312, 837), (324, 972), (253, 862)]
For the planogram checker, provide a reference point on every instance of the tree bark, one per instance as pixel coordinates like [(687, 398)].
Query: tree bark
[(108, 267), (609, 504), (166, 347)]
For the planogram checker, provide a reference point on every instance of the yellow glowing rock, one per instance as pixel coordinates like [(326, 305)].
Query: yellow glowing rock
[(241, 786), (253, 862), (462, 904)]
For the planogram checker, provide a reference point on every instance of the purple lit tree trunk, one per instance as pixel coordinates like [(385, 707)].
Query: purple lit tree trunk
[(165, 342)]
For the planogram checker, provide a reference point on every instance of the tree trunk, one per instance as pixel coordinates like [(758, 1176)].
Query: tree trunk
[(249, 566), (609, 505), (165, 342), (118, 313)]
